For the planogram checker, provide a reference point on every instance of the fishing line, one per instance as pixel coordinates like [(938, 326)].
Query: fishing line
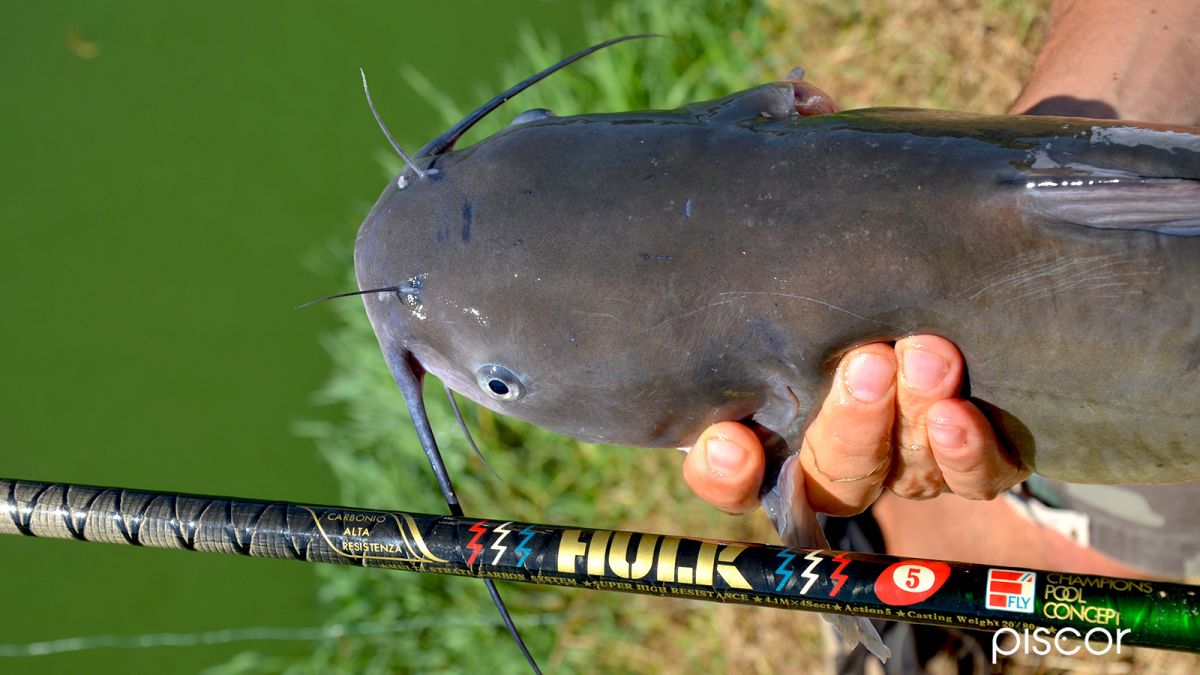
[(259, 634)]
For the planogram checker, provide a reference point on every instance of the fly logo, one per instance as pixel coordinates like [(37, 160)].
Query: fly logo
[(1011, 590)]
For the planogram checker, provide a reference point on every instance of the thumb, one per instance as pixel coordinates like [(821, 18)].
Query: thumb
[(725, 467)]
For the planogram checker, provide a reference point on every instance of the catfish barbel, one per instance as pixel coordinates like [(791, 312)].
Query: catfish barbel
[(634, 277)]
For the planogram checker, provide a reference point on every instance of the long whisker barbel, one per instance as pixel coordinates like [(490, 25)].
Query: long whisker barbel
[(399, 290), (965, 595)]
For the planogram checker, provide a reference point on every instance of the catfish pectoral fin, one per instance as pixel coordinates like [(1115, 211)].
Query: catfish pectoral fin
[(1161, 205), (787, 506)]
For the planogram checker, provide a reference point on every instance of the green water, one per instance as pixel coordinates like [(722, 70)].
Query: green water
[(172, 175)]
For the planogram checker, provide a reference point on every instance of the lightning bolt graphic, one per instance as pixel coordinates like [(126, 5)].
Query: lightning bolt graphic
[(837, 575), (808, 571), (474, 544), (502, 528), (522, 548), (782, 570)]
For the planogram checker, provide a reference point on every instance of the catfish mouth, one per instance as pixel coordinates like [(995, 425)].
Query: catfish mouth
[(434, 362)]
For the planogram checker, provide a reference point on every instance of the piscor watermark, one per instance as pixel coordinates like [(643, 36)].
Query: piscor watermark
[(1041, 641)]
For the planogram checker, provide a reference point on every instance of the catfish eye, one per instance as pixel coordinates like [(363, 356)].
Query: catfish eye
[(533, 115), (499, 382)]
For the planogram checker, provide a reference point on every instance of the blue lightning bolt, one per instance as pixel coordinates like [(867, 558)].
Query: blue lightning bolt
[(502, 528), (782, 570), (808, 571), (522, 548)]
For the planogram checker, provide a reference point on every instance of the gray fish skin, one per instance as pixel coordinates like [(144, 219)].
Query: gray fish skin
[(646, 274)]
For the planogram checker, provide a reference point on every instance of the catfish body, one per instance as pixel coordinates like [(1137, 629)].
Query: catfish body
[(635, 277)]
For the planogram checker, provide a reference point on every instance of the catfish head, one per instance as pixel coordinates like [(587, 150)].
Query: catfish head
[(531, 274)]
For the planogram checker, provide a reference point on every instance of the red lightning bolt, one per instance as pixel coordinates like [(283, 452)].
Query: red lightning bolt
[(837, 574), (474, 544)]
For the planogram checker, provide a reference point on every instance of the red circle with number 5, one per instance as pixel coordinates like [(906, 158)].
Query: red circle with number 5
[(911, 581)]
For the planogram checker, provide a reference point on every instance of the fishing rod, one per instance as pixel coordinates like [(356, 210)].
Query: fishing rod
[(1094, 608)]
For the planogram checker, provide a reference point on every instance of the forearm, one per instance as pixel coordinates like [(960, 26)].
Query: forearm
[(1117, 58)]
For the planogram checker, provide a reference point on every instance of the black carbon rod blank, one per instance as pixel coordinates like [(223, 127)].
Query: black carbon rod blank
[(972, 596)]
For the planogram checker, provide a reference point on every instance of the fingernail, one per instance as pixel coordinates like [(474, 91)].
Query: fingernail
[(868, 377), (725, 457), (946, 435), (923, 370)]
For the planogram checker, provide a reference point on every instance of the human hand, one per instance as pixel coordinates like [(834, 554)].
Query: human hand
[(892, 419), (1116, 59)]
